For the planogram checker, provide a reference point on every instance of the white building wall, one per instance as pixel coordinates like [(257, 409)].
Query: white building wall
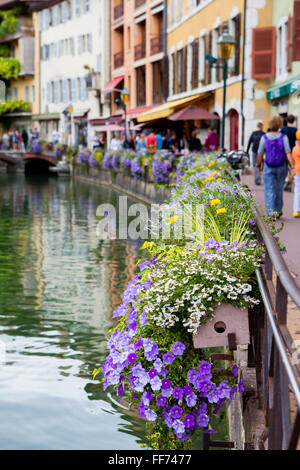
[(74, 34)]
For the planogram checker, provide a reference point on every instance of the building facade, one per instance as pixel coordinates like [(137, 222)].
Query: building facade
[(73, 40), (284, 92), (137, 54), (194, 27), (19, 44)]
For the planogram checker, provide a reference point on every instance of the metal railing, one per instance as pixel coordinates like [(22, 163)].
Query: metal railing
[(119, 10), (156, 44), (140, 51), (272, 349), (118, 59)]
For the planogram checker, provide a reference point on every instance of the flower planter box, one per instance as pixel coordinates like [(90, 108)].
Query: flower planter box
[(227, 320)]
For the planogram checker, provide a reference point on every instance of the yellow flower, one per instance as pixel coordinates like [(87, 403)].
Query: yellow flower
[(173, 219), (219, 179), (210, 177), (211, 164), (202, 166), (214, 172), (215, 202), (221, 211)]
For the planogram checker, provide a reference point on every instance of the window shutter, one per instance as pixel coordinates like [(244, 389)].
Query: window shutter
[(48, 92), (289, 44), (183, 69), (209, 50), (296, 31), (165, 77), (65, 90), (174, 73), (195, 63), (237, 44), (73, 89), (79, 44), (263, 54), (89, 43)]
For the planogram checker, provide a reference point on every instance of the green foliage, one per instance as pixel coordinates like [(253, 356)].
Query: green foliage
[(9, 22), (14, 105), (9, 67), (4, 50)]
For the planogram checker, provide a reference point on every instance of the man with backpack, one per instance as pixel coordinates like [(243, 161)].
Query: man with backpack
[(254, 142), (276, 148)]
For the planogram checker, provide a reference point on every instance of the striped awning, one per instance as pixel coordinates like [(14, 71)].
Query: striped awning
[(165, 110)]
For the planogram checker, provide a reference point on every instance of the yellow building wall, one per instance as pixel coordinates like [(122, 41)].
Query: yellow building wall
[(217, 12)]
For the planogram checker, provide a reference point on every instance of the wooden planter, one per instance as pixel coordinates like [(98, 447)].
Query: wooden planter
[(228, 326)]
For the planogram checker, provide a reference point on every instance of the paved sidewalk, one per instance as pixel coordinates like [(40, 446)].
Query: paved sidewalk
[(291, 236), (291, 232)]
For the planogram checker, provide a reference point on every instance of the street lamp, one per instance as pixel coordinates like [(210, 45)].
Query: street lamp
[(226, 44), (125, 94)]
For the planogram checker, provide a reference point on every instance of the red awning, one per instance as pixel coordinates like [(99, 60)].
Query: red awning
[(113, 84)]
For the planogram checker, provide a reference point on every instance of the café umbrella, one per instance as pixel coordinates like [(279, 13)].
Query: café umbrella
[(193, 113)]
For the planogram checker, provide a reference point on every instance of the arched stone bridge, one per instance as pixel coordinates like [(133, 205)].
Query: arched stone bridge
[(19, 160)]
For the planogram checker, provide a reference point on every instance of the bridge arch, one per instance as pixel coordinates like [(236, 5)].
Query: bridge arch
[(35, 163)]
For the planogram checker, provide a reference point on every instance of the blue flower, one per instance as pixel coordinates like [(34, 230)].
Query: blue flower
[(178, 348)]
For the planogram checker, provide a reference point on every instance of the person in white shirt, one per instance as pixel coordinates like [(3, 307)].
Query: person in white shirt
[(115, 143), (55, 137)]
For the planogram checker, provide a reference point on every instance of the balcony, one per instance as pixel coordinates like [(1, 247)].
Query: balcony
[(119, 59), (140, 51), (119, 11), (157, 44), (139, 3)]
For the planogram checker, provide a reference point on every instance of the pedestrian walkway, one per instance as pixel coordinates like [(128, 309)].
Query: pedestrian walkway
[(291, 237)]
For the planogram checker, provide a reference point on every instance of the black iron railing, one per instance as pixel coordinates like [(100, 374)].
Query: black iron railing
[(272, 350)]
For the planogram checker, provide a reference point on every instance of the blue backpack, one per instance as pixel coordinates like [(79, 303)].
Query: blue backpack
[(275, 151)]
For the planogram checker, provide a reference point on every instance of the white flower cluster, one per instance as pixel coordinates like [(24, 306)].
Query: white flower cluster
[(188, 287)]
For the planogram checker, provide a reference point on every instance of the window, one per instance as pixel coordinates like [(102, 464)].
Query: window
[(41, 20), (52, 92), (33, 93), (281, 48), (69, 10), (202, 59), (179, 70), (60, 91), (72, 46), (86, 5), (73, 90), (65, 91), (77, 7), (48, 92), (69, 92), (98, 63), (82, 93), (80, 48), (89, 43)]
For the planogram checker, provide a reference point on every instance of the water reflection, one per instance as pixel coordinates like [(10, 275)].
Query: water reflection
[(58, 287)]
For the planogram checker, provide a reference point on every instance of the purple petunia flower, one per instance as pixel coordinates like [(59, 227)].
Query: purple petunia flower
[(146, 398), (178, 348), (168, 358), (176, 412), (223, 390), (161, 401), (132, 358), (155, 383), (152, 373), (166, 384), (204, 368), (235, 370), (189, 421), (191, 400), (188, 390), (202, 420), (150, 414), (241, 386), (178, 393)]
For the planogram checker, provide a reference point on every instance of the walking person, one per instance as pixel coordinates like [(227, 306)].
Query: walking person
[(212, 141), (276, 148), (296, 173), (290, 130), (254, 142), (25, 138)]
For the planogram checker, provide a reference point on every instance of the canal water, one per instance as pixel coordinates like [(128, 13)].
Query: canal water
[(59, 285)]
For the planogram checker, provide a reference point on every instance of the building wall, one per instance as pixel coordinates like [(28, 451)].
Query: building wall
[(130, 22), (62, 75), (187, 22), (281, 12)]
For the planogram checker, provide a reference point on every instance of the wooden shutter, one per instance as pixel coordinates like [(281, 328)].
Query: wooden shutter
[(183, 69), (237, 57), (296, 31), (289, 44), (263, 54), (174, 73), (165, 77), (195, 64), (209, 50)]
